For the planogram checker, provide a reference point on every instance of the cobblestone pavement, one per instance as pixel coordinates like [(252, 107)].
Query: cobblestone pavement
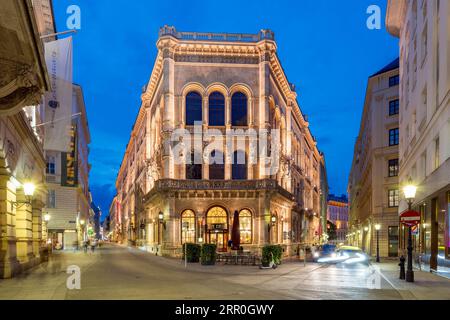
[(115, 272)]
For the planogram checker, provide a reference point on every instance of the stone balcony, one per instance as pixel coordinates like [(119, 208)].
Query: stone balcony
[(267, 185)]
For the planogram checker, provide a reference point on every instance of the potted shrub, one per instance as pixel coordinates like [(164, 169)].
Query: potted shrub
[(270, 251), (208, 254), (192, 251)]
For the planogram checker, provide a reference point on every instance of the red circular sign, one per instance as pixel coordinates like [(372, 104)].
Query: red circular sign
[(410, 218)]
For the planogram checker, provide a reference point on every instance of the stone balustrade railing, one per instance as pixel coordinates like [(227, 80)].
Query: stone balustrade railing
[(209, 36)]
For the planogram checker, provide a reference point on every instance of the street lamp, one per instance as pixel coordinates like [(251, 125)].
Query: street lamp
[(28, 190), (273, 222), (410, 194), (378, 228)]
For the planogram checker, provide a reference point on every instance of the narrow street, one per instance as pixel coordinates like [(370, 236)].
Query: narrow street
[(114, 272)]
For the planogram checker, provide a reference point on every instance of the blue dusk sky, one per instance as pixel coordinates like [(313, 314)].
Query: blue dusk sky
[(325, 48)]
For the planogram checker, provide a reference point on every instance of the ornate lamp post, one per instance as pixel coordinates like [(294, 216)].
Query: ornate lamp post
[(161, 223), (410, 194), (273, 222), (378, 228)]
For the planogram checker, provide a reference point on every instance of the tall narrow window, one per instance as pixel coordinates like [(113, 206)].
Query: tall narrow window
[(245, 226), (393, 168), (394, 81), (193, 108), (394, 135), (51, 165), (239, 110), (188, 227), (216, 109), (239, 169), (394, 107), (194, 170), (393, 198), (216, 166), (51, 199), (437, 160)]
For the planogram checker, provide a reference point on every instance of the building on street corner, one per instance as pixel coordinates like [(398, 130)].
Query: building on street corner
[(337, 218), (373, 183), (423, 29), (233, 84), (67, 176), (23, 81)]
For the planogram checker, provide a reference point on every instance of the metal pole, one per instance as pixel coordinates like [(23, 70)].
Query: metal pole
[(409, 271), (378, 246), (58, 34), (185, 250)]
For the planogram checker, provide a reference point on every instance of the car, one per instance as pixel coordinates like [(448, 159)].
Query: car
[(323, 251), (346, 255)]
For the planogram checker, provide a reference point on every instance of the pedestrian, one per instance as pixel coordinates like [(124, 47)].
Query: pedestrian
[(86, 245), (93, 245)]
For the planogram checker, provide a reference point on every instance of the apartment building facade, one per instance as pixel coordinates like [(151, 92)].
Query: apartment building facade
[(423, 29), (373, 183)]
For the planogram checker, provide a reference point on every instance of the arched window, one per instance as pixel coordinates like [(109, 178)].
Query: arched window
[(216, 109), (188, 227), (239, 168), (194, 170), (193, 108), (216, 166), (217, 216), (239, 108), (245, 226)]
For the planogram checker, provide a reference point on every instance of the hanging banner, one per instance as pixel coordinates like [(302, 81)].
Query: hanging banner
[(58, 102), (69, 164)]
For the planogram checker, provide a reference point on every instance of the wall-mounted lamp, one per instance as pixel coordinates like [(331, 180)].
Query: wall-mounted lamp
[(28, 190), (47, 217), (161, 219), (273, 222)]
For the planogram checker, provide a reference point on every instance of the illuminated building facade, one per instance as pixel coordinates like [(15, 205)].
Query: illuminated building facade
[(204, 81), (373, 183), (423, 29), (23, 80), (338, 215)]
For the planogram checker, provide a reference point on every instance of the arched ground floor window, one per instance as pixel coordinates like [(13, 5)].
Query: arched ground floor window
[(245, 226), (188, 227)]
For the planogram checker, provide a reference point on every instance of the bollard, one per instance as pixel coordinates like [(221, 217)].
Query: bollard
[(402, 268)]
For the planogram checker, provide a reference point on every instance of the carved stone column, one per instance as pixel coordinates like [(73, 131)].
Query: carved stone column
[(37, 227), (9, 265), (24, 230)]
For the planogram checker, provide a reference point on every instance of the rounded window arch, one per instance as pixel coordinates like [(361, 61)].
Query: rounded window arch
[(193, 169), (239, 110), (188, 227), (216, 109), (193, 108), (246, 226), (217, 165), (239, 167), (217, 216)]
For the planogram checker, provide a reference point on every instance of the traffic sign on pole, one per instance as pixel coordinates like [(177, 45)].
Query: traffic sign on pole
[(410, 218)]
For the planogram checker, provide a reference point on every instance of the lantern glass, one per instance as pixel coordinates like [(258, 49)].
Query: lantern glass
[(378, 227), (161, 216), (47, 217), (410, 191), (28, 189)]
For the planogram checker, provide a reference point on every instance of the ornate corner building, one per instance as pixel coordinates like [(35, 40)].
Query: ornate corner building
[(223, 82)]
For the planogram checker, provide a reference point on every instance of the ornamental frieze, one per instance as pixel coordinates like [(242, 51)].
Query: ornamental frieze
[(216, 59)]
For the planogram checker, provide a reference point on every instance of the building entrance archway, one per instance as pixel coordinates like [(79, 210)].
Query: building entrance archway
[(217, 228)]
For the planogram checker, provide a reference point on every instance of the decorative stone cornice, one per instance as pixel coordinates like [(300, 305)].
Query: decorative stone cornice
[(395, 15)]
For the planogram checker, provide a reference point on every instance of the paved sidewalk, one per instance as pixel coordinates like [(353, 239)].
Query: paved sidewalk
[(427, 286)]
